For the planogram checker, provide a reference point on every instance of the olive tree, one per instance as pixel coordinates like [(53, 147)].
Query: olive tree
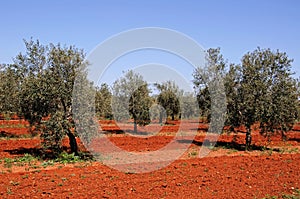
[(131, 99), (231, 84), (168, 98), (139, 106), (47, 74), (260, 90), (205, 79), (9, 90), (103, 101), (189, 106), (267, 92)]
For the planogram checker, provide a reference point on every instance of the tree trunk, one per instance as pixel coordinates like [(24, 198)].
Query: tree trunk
[(173, 117), (248, 139), (135, 127), (73, 143), (283, 136), (160, 117)]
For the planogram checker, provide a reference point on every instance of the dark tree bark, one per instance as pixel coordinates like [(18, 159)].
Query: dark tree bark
[(73, 143), (160, 117), (135, 127), (248, 139)]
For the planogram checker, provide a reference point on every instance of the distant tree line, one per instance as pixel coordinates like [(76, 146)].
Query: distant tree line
[(38, 87)]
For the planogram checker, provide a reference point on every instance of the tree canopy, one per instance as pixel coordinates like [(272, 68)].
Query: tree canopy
[(45, 78), (103, 100), (131, 99), (168, 98), (267, 92), (260, 90)]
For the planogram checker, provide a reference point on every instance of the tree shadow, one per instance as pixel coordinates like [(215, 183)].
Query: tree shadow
[(240, 147), (170, 123), (227, 145), (118, 131), (200, 128), (294, 139), (35, 152), (4, 134), (138, 133), (43, 154)]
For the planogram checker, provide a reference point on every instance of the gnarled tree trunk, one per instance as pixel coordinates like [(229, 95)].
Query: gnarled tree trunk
[(73, 143)]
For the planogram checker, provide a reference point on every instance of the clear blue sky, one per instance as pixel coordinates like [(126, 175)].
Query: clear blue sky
[(235, 26)]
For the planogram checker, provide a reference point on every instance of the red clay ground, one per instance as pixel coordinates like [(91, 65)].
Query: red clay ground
[(224, 173)]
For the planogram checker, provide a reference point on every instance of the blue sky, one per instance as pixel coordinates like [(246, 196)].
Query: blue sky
[(235, 26)]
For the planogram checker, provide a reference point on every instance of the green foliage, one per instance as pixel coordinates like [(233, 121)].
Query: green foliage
[(211, 94), (27, 158), (298, 93), (261, 90), (33, 162), (131, 99), (231, 84), (103, 102), (47, 163), (267, 92), (157, 111), (53, 131), (189, 106), (139, 105), (168, 98), (45, 77), (83, 108), (39, 86), (65, 158), (9, 99), (208, 82), (294, 195)]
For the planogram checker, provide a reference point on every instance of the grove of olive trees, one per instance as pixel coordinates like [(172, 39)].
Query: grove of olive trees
[(38, 86)]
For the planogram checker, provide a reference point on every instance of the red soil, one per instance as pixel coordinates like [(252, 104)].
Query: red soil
[(224, 173), (212, 177)]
